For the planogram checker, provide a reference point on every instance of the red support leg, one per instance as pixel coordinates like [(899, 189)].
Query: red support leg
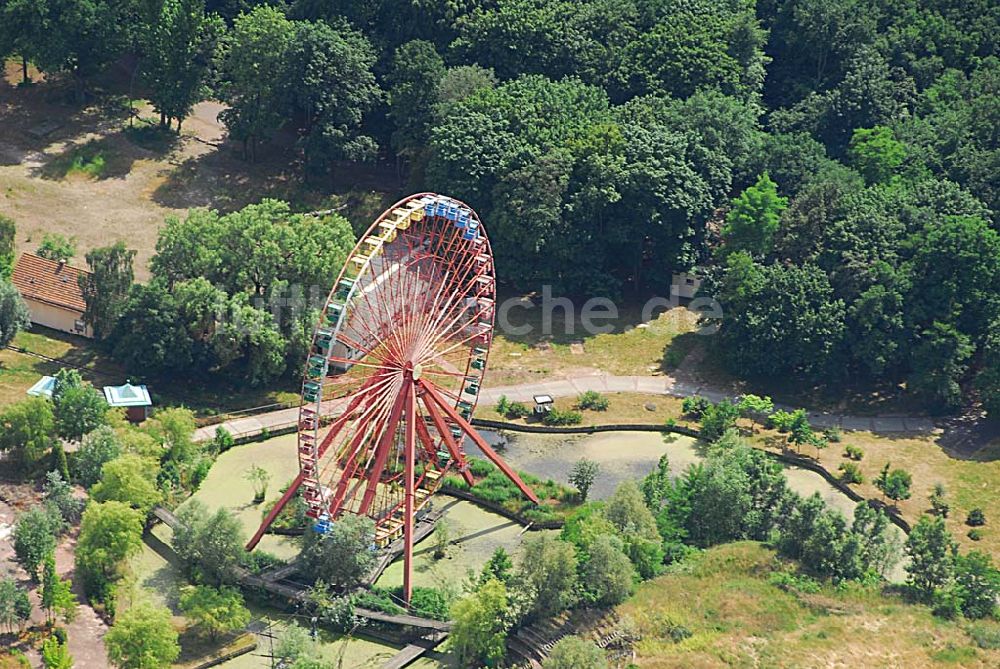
[(449, 441), (297, 481), (383, 448), (409, 457), (433, 394), (292, 489)]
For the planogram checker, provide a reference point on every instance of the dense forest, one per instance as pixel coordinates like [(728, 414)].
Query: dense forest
[(831, 166)]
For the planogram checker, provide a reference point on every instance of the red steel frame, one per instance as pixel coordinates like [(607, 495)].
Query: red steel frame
[(416, 322)]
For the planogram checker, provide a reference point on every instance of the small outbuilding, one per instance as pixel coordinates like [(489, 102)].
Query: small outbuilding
[(51, 290), (685, 285), (135, 399), (543, 403), (43, 387)]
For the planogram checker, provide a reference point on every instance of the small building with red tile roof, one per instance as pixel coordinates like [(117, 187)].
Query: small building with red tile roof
[(51, 289)]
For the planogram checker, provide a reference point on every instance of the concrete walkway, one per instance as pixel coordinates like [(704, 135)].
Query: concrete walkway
[(248, 426)]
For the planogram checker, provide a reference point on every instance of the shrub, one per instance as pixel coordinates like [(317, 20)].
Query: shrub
[(975, 534), (976, 518), (850, 473), (223, 440), (695, 406), (429, 603), (511, 410), (559, 417), (592, 400), (853, 452), (832, 434), (517, 410)]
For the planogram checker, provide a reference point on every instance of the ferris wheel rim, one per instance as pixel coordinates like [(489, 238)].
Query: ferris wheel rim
[(311, 412)]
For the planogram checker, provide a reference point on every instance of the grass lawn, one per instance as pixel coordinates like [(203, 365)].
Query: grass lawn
[(970, 483), (622, 408), (19, 371), (634, 347), (736, 617)]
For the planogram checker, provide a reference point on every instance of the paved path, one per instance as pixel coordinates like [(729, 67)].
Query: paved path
[(650, 385)]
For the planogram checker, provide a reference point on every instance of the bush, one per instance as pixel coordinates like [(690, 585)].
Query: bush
[(695, 406), (517, 410), (429, 603), (853, 452), (850, 473), (511, 410), (379, 599), (976, 518), (975, 534), (592, 400), (832, 434), (258, 561), (558, 417), (223, 441)]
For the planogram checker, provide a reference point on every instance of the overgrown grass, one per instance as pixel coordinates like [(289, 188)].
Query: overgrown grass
[(739, 605), (492, 485)]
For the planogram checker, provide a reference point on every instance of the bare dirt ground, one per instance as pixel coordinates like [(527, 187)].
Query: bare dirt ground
[(146, 176), (86, 632)]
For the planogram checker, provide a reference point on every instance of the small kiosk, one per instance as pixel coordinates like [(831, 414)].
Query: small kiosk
[(135, 399), (543, 404)]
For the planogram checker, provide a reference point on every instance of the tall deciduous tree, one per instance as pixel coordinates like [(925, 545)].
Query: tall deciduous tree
[(753, 220), (28, 431), (254, 71), (178, 42), (105, 289), (932, 553), (56, 597), (330, 81), (83, 37), (34, 538), (8, 232), (130, 479), (215, 611), (479, 625), (14, 315), (417, 70), (210, 544), (548, 568), (22, 30), (110, 532), (143, 637), (15, 605), (342, 556)]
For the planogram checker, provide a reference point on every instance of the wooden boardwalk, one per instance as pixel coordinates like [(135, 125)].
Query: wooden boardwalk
[(414, 650)]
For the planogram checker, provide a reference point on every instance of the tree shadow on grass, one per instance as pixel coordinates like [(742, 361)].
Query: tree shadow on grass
[(97, 159)]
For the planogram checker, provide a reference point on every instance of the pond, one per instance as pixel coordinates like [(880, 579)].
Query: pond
[(632, 455)]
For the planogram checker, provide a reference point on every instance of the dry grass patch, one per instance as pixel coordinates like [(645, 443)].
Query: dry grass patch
[(721, 610), (623, 408), (633, 347)]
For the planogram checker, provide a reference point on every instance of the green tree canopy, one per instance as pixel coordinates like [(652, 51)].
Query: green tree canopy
[(14, 315), (130, 479), (106, 288), (753, 220), (143, 637), (215, 611), (178, 42)]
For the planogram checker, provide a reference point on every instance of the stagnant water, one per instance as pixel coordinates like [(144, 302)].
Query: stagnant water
[(632, 455)]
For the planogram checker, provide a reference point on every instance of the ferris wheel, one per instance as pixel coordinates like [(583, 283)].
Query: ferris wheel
[(395, 370)]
